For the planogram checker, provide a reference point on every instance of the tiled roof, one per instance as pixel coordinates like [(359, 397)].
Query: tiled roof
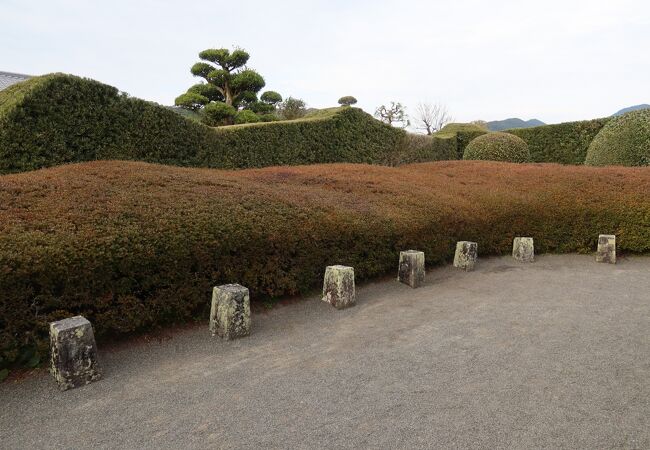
[(8, 78)]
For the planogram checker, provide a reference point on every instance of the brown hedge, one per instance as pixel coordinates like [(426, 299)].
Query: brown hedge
[(133, 245)]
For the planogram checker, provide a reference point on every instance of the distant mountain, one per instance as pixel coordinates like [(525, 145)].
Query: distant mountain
[(631, 108), (507, 124)]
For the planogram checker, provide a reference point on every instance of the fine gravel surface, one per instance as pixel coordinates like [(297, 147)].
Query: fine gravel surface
[(553, 354)]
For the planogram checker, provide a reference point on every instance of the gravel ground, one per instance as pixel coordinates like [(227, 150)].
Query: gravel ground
[(554, 354)]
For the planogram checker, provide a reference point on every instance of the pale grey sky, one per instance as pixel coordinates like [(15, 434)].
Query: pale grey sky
[(555, 60)]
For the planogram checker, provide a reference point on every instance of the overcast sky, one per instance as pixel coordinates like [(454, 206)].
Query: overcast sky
[(552, 60)]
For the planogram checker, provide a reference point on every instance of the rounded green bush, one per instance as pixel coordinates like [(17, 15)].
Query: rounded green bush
[(624, 141), (246, 116), (218, 113), (497, 147)]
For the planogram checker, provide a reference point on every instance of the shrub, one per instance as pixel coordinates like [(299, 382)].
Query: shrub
[(421, 148), (498, 147), (462, 133), (246, 116), (218, 113), (625, 141), (348, 100), (58, 119), (564, 143), (133, 246), (293, 108)]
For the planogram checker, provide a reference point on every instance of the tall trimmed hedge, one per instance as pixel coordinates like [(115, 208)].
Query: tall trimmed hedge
[(134, 246), (57, 119), (462, 133), (564, 143)]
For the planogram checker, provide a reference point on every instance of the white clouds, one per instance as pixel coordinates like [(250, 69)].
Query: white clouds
[(555, 60)]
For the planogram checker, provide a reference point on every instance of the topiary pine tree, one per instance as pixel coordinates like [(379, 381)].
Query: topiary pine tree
[(229, 86), (230, 76), (347, 100)]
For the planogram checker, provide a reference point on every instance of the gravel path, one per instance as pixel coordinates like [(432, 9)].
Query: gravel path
[(554, 354)]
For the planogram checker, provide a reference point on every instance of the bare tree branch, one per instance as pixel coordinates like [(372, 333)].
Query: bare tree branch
[(432, 117)]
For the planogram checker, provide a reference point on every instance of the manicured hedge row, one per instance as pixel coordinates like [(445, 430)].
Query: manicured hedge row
[(564, 143), (462, 133), (134, 246), (57, 119)]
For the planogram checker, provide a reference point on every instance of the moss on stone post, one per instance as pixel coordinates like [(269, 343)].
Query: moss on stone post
[(466, 253), (230, 314), (606, 249), (73, 353), (411, 268), (523, 249), (338, 286)]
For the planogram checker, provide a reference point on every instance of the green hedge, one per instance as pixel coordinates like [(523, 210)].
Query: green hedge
[(462, 133), (625, 140), (57, 119), (134, 246), (564, 143)]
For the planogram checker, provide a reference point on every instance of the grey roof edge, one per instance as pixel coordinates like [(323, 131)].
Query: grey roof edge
[(15, 74)]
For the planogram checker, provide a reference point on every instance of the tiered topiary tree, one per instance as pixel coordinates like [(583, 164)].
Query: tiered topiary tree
[(347, 100), (229, 87), (498, 147), (624, 141)]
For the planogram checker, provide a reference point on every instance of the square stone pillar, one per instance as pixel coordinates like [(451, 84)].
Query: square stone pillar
[(606, 249), (73, 353), (230, 314), (523, 249), (466, 253), (338, 286), (411, 268)]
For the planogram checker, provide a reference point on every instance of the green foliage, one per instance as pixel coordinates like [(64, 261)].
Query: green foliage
[(271, 97), (564, 143), (4, 373), (191, 101), (58, 119), (624, 141), (348, 100), (218, 113), (497, 146), (416, 148), (462, 133), (292, 108), (208, 91), (229, 82), (246, 116), (134, 246)]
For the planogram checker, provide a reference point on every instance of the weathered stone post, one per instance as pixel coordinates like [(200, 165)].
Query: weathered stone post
[(411, 268), (338, 286), (466, 253), (606, 249), (523, 249), (230, 314), (73, 353)]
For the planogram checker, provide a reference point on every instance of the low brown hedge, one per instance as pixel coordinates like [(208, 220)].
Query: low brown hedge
[(133, 246)]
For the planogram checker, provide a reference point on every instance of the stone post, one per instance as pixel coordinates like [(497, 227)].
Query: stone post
[(230, 314), (338, 286), (523, 249), (73, 353), (411, 268), (606, 249), (466, 253)]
